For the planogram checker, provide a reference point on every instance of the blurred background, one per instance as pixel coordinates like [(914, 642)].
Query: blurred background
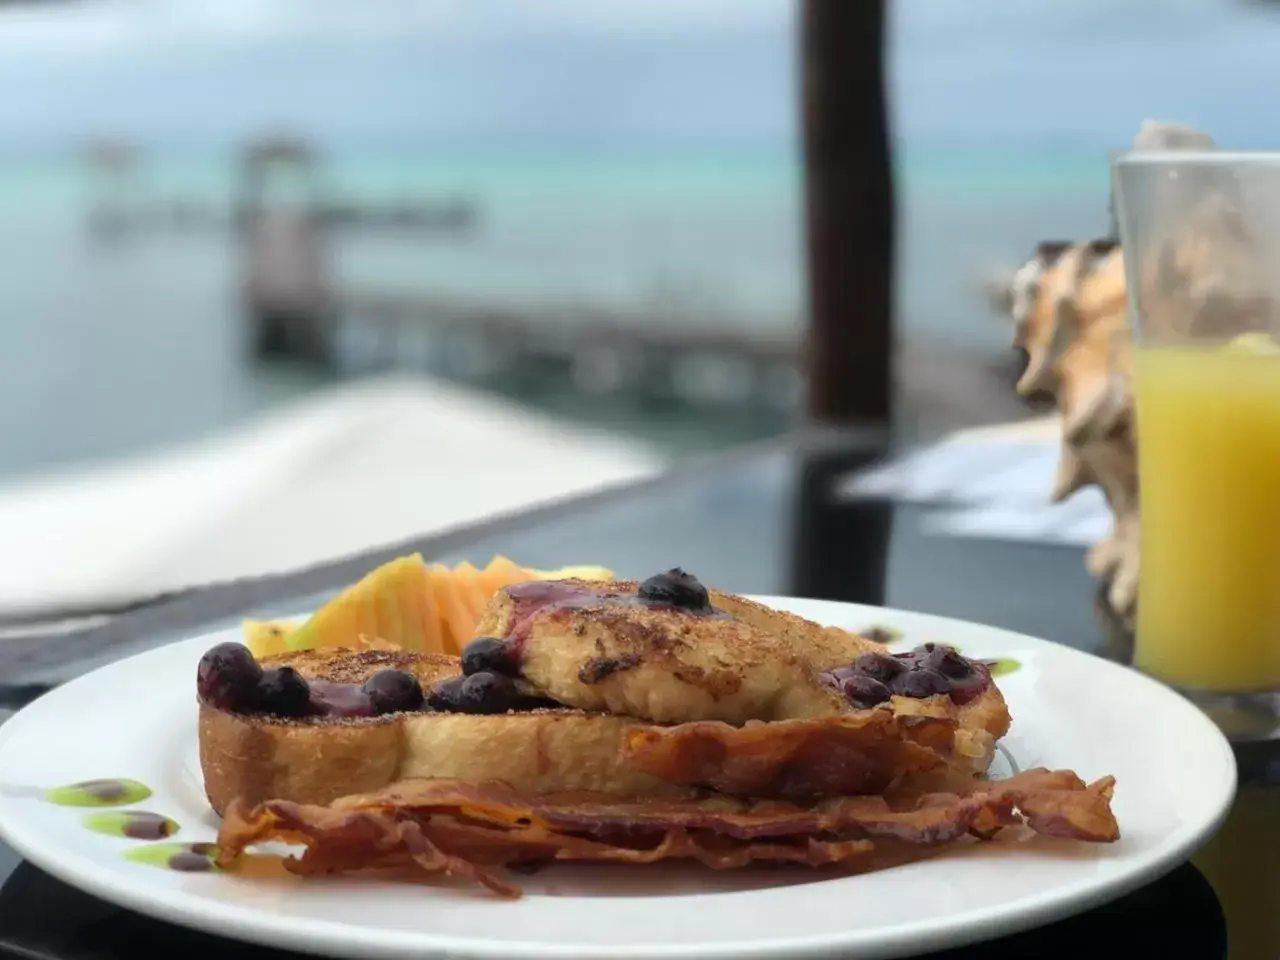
[(404, 264)]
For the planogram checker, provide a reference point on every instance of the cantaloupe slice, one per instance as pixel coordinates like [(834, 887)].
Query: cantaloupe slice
[(386, 604), (429, 622), (466, 580), (456, 618), (445, 607), (407, 605), (500, 572)]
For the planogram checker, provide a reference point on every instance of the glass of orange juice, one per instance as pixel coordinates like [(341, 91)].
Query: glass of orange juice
[(1200, 233)]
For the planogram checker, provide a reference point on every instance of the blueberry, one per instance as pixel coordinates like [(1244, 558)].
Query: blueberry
[(921, 683), (490, 655), (677, 589), (390, 691), (488, 693), (877, 666), (285, 693), (228, 678), (947, 662), (445, 694), (865, 691)]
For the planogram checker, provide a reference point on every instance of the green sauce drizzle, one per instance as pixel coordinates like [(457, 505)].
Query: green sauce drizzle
[(135, 824), (1003, 666), (98, 793), (183, 857)]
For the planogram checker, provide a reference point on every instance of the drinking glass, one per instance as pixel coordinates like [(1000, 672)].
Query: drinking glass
[(1200, 233)]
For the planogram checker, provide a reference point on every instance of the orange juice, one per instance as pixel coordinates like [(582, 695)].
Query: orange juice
[(1209, 467)]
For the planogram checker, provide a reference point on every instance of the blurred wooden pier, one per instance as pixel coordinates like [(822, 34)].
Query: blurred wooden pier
[(661, 355), (654, 353), (651, 354), (294, 308)]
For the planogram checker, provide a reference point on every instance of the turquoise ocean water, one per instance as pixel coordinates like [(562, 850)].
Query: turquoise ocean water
[(118, 349)]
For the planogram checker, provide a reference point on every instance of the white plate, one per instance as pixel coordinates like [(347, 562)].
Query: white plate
[(136, 719)]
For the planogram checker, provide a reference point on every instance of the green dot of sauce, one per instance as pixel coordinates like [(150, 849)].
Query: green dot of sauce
[(185, 857), (134, 824), (1004, 666), (98, 793), (884, 635)]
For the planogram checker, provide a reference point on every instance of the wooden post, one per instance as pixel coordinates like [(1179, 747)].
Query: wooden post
[(839, 549), (849, 211)]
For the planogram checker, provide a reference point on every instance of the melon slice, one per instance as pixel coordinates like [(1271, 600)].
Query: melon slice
[(387, 603), (500, 572), (268, 637), (444, 607), (407, 605), (467, 588)]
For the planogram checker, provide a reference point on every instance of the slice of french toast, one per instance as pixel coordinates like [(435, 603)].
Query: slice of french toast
[(672, 652), (659, 689), (257, 756)]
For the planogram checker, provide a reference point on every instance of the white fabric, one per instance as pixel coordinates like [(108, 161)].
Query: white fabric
[(354, 468), (992, 483)]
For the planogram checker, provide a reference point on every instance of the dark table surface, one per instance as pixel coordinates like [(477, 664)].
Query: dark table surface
[(761, 520)]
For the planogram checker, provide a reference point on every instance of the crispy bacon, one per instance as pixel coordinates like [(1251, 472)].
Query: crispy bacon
[(466, 830), (801, 760)]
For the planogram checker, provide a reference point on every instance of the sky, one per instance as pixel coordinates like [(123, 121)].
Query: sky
[(81, 26), (208, 72)]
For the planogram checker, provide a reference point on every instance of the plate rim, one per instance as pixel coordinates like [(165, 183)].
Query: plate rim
[(236, 921)]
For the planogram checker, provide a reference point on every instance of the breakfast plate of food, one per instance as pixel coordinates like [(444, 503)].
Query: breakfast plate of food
[(511, 762)]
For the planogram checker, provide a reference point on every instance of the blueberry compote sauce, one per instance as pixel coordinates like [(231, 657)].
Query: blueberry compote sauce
[(673, 590), (229, 678), (926, 671)]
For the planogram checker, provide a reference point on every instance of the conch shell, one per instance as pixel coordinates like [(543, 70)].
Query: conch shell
[(1069, 310), (1068, 306)]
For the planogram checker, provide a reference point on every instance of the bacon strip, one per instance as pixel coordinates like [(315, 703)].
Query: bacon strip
[(801, 760), (465, 830)]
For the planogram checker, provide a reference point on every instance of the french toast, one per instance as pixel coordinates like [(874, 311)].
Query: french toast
[(316, 759), (660, 690)]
